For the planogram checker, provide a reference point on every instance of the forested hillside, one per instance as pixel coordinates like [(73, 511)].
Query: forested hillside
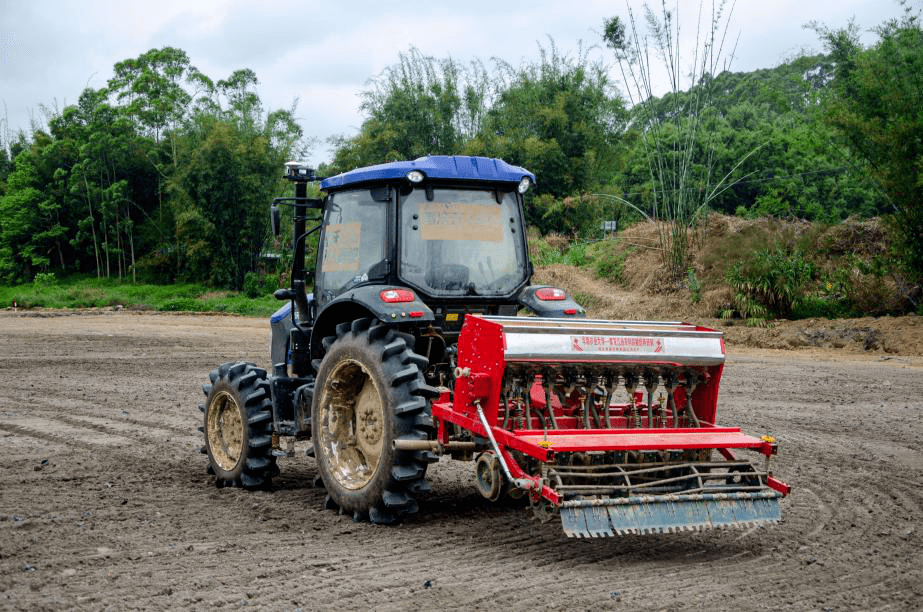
[(166, 173)]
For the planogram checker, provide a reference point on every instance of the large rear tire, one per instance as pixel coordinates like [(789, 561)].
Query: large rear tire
[(238, 426), (369, 392)]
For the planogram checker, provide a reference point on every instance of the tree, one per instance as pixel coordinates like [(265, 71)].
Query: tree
[(799, 170), (560, 117), (419, 106), (106, 184), (877, 108), (164, 170), (21, 212), (229, 165), (6, 163), (150, 88)]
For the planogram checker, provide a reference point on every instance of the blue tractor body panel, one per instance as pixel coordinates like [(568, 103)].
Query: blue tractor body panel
[(445, 167)]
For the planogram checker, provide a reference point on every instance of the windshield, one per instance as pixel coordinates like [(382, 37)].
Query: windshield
[(461, 243)]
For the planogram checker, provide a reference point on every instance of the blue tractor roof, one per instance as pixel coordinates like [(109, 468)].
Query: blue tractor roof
[(454, 167)]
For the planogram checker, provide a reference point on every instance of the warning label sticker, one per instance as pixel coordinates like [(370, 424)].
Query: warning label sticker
[(616, 344)]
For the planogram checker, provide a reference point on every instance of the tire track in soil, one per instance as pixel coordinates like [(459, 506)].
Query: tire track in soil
[(96, 433), (53, 431), (853, 491), (519, 554), (134, 429)]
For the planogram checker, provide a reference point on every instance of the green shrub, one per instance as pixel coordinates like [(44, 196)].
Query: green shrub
[(812, 306), (741, 245), (607, 259), (863, 285), (771, 285), (45, 279), (694, 287), (579, 216), (576, 254), (541, 250), (253, 285)]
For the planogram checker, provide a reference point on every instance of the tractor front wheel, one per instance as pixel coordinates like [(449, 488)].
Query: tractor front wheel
[(238, 426)]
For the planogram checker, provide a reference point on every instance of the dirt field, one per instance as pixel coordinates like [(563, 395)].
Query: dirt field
[(105, 502)]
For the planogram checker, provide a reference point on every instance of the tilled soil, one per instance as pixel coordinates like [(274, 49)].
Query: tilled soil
[(105, 502)]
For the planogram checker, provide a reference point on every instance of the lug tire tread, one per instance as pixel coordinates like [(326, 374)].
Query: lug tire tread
[(247, 384), (388, 497)]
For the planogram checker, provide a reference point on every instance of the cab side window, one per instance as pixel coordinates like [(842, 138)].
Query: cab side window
[(354, 241)]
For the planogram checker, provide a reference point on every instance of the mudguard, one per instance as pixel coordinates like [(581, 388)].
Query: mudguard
[(365, 301), (562, 305), (280, 324)]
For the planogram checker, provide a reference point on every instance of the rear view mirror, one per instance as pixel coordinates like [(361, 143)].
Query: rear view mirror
[(275, 220)]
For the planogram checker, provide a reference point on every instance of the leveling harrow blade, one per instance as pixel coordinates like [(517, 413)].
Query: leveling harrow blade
[(655, 514), (610, 424)]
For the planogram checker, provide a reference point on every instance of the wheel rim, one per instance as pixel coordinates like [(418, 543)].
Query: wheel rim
[(225, 429), (487, 475), (352, 425)]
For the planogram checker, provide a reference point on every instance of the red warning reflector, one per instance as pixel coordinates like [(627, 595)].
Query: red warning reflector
[(550, 294), (570, 311), (395, 296), (416, 314)]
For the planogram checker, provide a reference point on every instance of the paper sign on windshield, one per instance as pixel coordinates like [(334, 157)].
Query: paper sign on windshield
[(341, 247), (456, 221)]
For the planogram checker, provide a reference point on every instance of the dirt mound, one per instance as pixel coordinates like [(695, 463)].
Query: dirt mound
[(882, 335), (607, 300), (644, 292)]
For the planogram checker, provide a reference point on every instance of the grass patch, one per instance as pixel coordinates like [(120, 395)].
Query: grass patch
[(82, 292), (586, 300), (576, 255), (546, 250)]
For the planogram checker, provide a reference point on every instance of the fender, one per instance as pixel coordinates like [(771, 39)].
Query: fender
[(548, 301), (280, 325), (368, 301)]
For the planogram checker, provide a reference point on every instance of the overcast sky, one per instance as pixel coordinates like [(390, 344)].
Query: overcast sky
[(322, 54)]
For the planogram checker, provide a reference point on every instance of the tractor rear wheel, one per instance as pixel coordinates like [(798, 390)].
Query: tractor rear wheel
[(238, 426), (370, 392)]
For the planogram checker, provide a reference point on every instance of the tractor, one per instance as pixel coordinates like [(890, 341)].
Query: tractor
[(412, 345)]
